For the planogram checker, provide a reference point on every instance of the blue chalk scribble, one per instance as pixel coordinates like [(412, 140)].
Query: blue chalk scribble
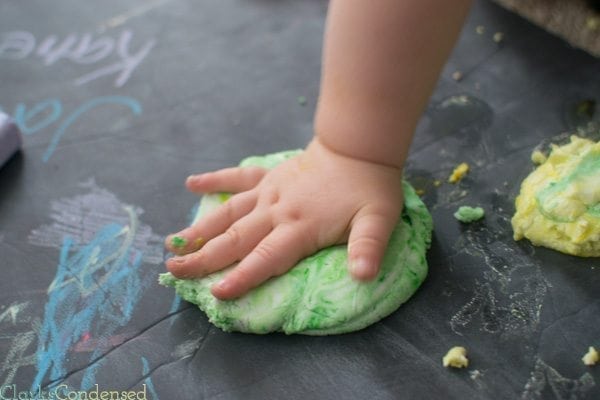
[(96, 289)]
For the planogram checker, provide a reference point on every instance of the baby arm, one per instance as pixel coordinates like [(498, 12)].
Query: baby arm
[(381, 60)]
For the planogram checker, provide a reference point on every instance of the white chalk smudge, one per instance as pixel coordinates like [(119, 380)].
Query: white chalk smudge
[(121, 19), (508, 297), (544, 380), (82, 216), (475, 374), (186, 349), (11, 312), (21, 340)]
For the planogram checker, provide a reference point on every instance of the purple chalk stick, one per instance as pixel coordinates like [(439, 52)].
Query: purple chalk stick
[(10, 138)]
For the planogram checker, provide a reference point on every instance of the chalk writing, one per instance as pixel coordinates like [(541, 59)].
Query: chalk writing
[(20, 341), (508, 300), (120, 19), (82, 49), (545, 380), (50, 111), (11, 312), (95, 289), (148, 381), (97, 286), (82, 215), (16, 357)]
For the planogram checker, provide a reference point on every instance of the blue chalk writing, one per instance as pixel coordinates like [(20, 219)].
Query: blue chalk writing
[(50, 109), (95, 289), (148, 380), (135, 107), (47, 112)]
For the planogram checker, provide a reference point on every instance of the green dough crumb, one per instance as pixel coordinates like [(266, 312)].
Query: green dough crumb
[(301, 100), (468, 214), (318, 296), (178, 242), (223, 197)]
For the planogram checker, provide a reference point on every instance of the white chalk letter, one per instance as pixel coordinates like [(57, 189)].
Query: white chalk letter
[(125, 66), (16, 45)]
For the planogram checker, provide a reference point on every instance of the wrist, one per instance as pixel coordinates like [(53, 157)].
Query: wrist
[(370, 135)]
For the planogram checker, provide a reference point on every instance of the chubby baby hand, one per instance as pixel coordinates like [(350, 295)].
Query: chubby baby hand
[(277, 217)]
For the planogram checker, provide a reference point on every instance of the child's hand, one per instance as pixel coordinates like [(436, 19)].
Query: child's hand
[(312, 201)]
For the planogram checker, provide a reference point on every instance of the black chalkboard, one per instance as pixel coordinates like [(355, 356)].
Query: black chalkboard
[(119, 101)]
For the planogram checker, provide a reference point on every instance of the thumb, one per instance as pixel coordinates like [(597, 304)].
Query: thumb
[(367, 242)]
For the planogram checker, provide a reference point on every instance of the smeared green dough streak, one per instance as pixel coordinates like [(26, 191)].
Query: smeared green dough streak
[(584, 178), (318, 296)]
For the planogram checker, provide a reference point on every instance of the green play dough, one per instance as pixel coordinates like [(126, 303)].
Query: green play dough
[(318, 296), (468, 214)]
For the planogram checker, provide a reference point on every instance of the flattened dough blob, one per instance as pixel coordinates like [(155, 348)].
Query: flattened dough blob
[(559, 203), (318, 296)]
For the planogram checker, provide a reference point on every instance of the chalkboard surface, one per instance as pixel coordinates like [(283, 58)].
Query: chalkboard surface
[(119, 101)]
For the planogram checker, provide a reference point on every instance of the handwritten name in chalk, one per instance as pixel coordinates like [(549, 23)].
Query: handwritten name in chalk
[(85, 49), (48, 112)]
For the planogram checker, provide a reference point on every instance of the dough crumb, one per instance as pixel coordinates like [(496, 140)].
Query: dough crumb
[(456, 358), (178, 242), (459, 172), (538, 158), (498, 37), (437, 183), (468, 214), (480, 29), (457, 76), (591, 357)]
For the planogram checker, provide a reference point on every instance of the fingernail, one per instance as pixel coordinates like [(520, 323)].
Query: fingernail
[(177, 260), (178, 242), (223, 285), (192, 178), (360, 268)]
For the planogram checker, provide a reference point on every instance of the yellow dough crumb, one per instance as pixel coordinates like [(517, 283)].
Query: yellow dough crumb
[(456, 358), (559, 203), (538, 158), (459, 172), (591, 357)]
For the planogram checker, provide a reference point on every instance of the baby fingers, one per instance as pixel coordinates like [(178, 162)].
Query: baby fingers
[(223, 250), (194, 237), (273, 256), (233, 180)]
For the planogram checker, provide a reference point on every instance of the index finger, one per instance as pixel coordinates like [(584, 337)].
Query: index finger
[(233, 180)]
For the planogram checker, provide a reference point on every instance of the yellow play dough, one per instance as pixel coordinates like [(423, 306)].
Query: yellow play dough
[(559, 203), (456, 358), (591, 357)]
